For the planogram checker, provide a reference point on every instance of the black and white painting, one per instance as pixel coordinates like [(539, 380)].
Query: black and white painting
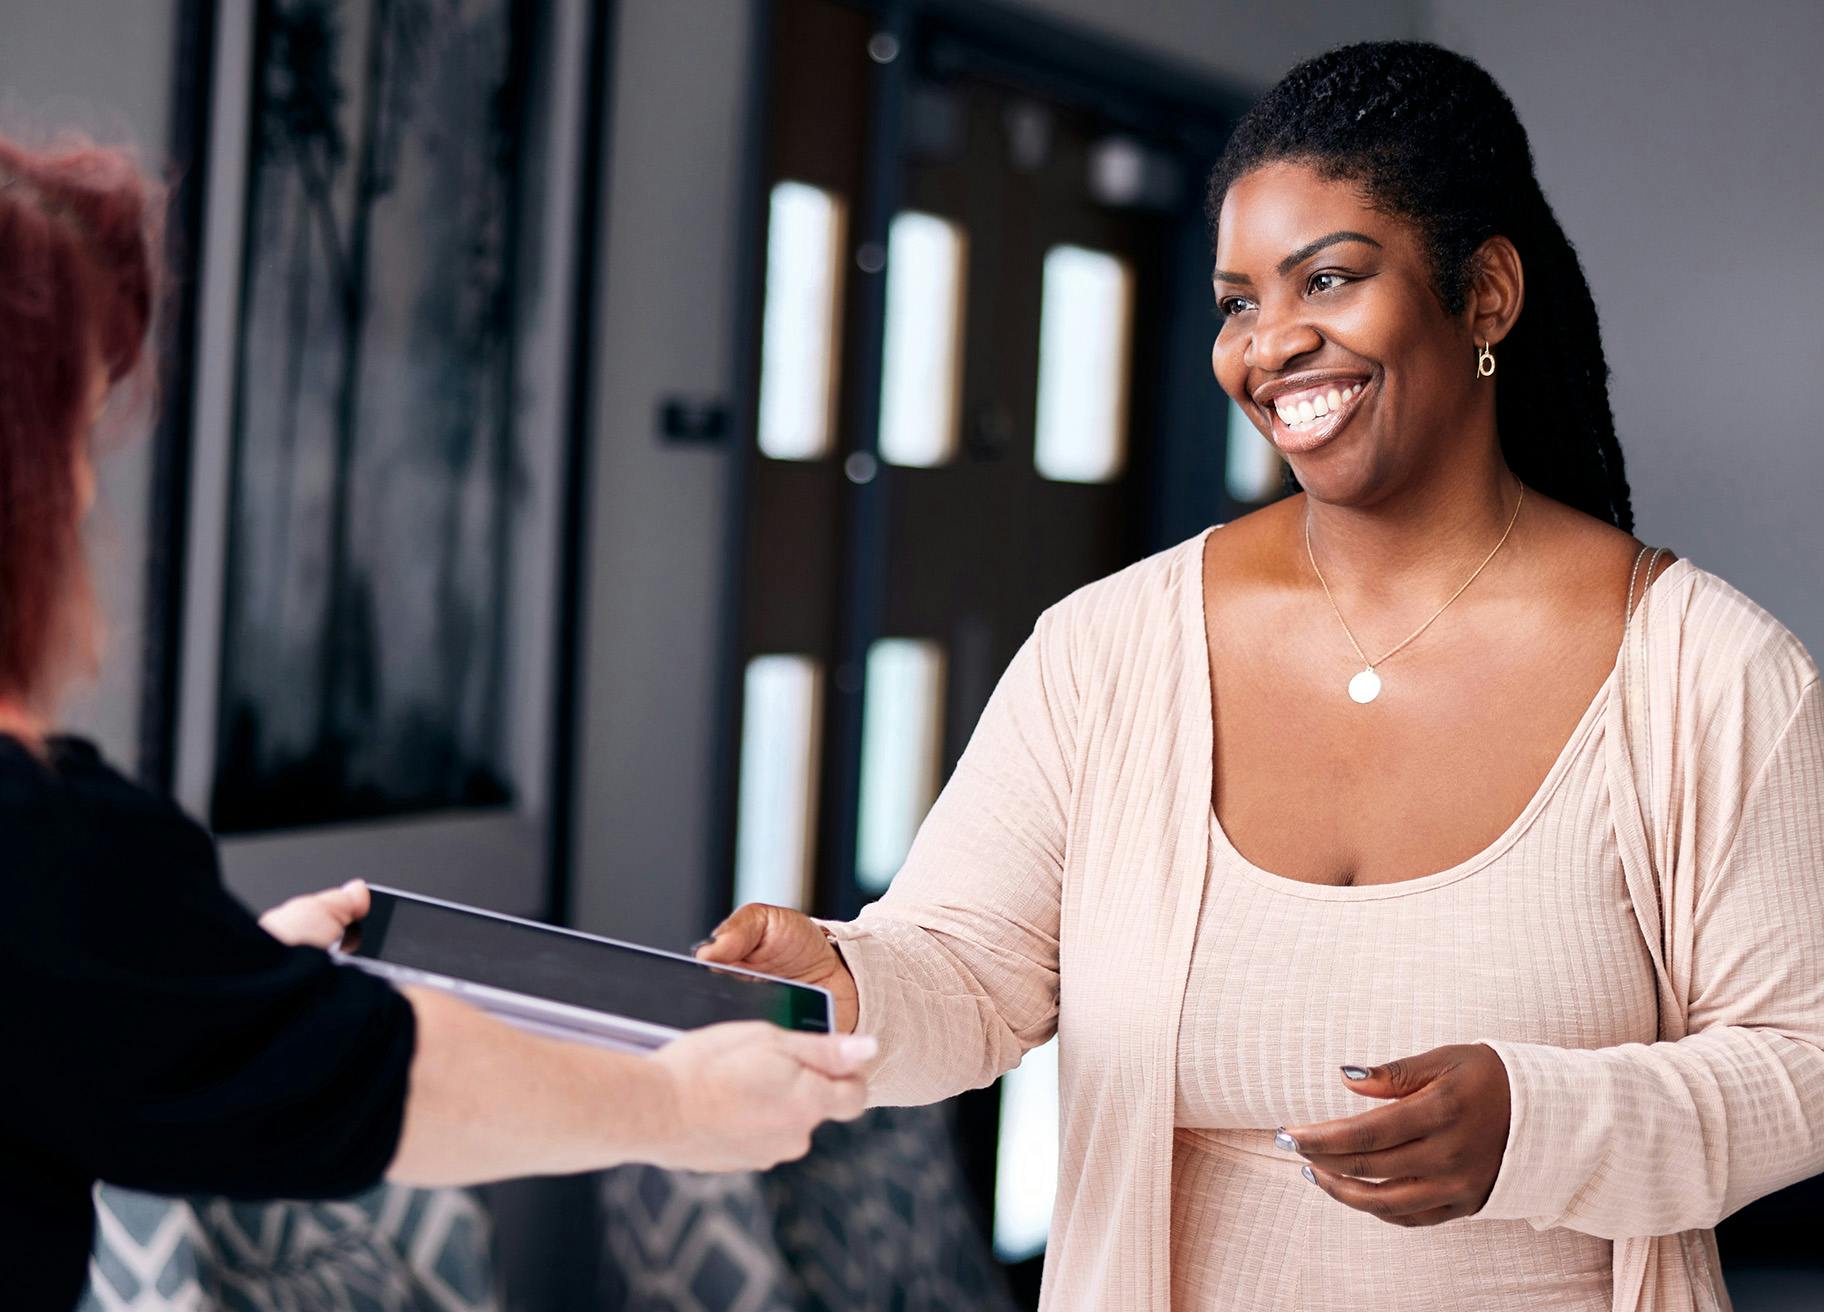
[(376, 480)]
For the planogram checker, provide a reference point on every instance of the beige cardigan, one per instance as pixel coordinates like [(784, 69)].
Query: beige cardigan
[(1057, 881)]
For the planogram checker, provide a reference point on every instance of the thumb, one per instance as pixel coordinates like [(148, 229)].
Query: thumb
[(1396, 1078), (735, 938), (353, 903), (835, 1055)]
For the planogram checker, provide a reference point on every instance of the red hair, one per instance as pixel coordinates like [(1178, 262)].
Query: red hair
[(78, 275)]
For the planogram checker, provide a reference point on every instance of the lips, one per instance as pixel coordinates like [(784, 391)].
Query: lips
[(1292, 408)]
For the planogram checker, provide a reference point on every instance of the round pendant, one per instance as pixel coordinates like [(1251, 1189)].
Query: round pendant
[(1365, 687)]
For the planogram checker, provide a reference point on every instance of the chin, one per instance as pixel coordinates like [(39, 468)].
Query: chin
[(1346, 480)]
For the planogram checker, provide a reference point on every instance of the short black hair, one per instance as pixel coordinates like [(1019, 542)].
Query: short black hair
[(1431, 139)]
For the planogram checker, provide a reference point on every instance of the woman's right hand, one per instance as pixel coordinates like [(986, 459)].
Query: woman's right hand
[(490, 1102), (317, 920), (780, 941), (745, 1096)]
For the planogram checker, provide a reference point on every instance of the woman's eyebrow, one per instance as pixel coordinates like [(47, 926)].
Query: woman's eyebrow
[(1300, 255), (1311, 248)]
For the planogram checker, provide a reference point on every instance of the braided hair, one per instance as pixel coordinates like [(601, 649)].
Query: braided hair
[(1432, 140)]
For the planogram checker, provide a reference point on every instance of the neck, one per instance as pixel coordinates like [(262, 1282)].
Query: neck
[(1418, 545)]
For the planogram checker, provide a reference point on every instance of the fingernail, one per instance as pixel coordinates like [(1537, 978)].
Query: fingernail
[(1285, 1141), (858, 1047), (1355, 1072), (1308, 1173), (352, 886), (700, 944)]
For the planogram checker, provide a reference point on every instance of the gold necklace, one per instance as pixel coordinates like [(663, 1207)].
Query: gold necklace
[(1366, 685)]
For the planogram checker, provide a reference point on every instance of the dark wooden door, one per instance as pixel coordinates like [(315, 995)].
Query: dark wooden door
[(1013, 137)]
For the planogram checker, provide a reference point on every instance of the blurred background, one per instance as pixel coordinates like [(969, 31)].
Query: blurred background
[(606, 452)]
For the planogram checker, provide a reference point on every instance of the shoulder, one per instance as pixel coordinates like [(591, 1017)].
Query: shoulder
[(1142, 601), (1723, 667), (85, 818), (1721, 683), (93, 784), (1119, 634), (1724, 633)]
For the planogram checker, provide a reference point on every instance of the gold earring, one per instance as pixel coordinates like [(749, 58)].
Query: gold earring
[(1485, 361)]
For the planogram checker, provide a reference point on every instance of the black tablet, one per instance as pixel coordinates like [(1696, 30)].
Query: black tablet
[(566, 983)]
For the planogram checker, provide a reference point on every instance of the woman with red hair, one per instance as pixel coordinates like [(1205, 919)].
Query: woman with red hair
[(156, 1035)]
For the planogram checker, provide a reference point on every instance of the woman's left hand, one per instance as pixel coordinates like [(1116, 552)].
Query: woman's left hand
[(1432, 1155), (316, 920)]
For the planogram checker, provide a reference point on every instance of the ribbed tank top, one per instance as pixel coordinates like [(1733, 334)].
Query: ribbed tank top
[(1533, 938)]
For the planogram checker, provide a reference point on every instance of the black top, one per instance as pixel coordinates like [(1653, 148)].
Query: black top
[(153, 1035)]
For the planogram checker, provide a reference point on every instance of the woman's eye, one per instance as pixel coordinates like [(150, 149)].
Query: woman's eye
[(1319, 284), (1230, 306)]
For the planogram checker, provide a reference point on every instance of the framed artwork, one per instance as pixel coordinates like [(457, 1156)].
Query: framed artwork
[(383, 427)]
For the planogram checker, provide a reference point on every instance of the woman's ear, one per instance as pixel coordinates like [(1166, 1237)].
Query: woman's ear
[(1496, 291)]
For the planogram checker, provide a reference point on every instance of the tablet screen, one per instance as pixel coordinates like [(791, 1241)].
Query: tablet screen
[(574, 969)]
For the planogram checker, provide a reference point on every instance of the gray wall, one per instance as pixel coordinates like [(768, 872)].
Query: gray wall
[(106, 68), (659, 515), (1247, 43), (1681, 146)]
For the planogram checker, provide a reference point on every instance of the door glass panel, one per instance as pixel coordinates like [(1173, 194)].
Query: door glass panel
[(1253, 463), (922, 354), (776, 816), (1026, 1169), (799, 332), (1085, 328), (901, 737)]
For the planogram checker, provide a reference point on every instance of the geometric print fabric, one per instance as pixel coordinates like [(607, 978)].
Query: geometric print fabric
[(876, 1218), (391, 1249)]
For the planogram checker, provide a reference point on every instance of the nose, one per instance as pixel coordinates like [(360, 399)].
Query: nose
[(1277, 340)]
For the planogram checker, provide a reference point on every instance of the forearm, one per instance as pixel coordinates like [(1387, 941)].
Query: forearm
[(1649, 1139), (488, 1102), (945, 1019)]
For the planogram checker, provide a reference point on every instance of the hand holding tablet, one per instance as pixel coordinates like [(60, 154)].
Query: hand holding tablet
[(786, 944), (743, 1095)]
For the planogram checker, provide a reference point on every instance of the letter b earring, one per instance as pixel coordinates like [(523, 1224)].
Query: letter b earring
[(1485, 361)]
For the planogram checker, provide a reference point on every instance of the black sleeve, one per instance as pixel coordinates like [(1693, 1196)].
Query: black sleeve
[(156, 1036)]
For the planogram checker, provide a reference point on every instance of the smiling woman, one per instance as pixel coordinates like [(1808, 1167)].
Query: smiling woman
[(1449, 169), (1513, 894)]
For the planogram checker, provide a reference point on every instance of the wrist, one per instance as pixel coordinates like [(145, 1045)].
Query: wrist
[(845, 999), (660, 1126)]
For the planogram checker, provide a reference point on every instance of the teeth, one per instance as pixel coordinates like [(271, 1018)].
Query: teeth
[(1316, 407)]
